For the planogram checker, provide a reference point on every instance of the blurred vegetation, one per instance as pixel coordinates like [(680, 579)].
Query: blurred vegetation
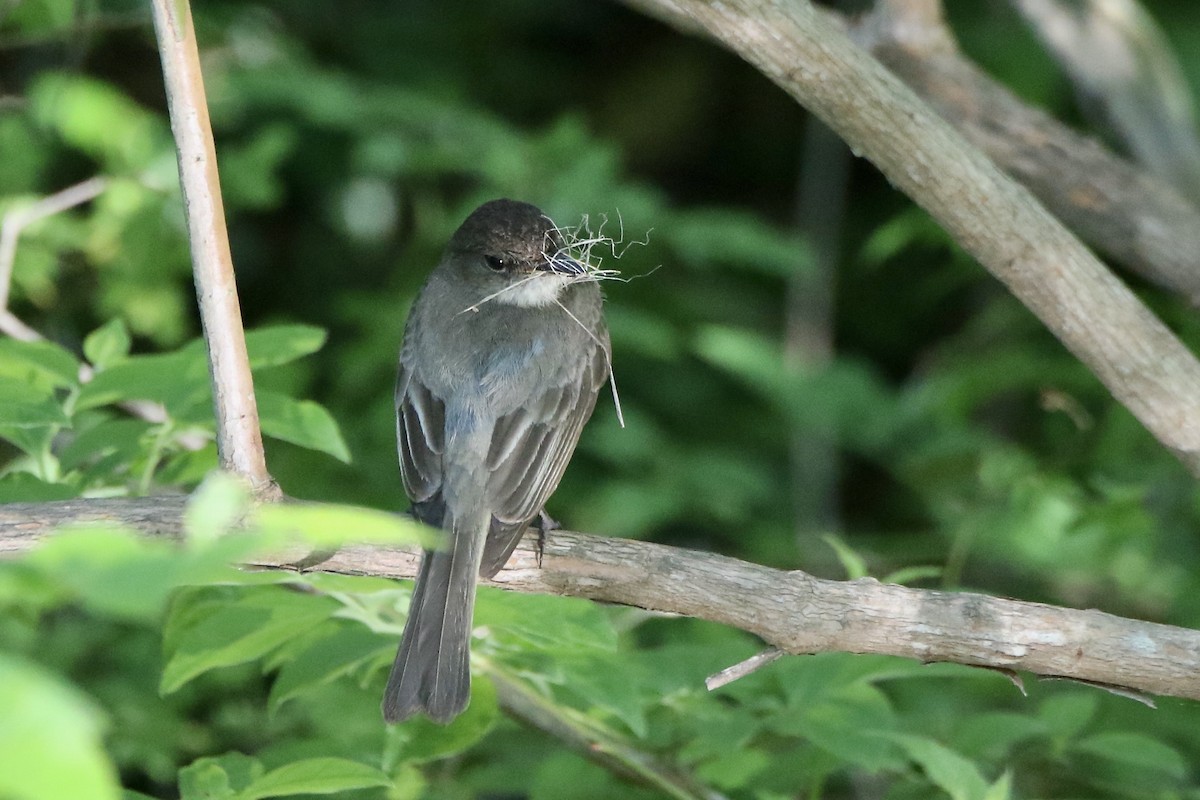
[(972, 451)]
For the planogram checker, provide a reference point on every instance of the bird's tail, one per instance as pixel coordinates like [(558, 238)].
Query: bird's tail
[(432, 672)]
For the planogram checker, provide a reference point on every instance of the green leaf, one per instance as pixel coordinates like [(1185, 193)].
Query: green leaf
[(100, 120), (43, 364), (268, 346), (107, 344), (23, 406), (210, 631), (734, 768), (328, 524), (543, 622), (120, 573), (218, 778), (301, 422), (215, 507), (952, 773), (50, 738), (177, 380), (851, 561), (1001, 789), (853, 724), (314, 776), (1067, 714), (117, 437), (279, 344), (328, 658), (418, 739), (609, 682), (21, 487), (1134, 750)]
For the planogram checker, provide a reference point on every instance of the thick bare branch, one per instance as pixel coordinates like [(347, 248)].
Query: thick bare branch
[(994, 218), (1129, 215), (239, 439), (791, 610)]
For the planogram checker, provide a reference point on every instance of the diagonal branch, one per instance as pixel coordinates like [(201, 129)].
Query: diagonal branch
[(1134, 218), (14, 223), (791, 610), (1139, 360), (239, 439)]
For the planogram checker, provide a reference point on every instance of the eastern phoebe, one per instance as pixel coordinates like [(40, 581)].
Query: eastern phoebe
[(504, 351)]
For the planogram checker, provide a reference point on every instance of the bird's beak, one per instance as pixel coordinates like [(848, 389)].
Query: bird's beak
[(562, 264)]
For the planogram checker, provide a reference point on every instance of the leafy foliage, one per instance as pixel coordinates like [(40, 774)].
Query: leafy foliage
[(972, 451)]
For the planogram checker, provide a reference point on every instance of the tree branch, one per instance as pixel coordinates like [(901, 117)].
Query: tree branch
[(1133, 217), (15, 221), (596, 743), (998, 221), (239, 439), (790, 610)]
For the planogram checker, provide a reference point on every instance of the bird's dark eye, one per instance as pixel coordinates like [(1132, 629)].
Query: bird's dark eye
[(496, 263)]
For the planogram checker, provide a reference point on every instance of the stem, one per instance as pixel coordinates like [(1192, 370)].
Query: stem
[(239, 439)]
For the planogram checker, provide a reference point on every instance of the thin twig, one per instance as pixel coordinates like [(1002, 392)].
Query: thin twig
[(239, 438), (18, 219), (743, 668)]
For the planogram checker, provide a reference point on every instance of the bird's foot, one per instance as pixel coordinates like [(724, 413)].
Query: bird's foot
[(545, 523)]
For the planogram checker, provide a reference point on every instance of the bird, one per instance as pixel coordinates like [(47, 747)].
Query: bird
[(504, 352)]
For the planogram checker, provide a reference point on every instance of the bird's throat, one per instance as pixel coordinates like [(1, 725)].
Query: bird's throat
[(542, 289)]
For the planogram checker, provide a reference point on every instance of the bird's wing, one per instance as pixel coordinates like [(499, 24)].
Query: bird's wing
[(420, 437), (529, 453)]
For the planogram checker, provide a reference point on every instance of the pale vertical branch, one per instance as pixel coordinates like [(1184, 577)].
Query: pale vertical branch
[(239, 439)]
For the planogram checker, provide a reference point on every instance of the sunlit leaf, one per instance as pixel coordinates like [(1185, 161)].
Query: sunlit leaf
[(50, 738), (301, 422)]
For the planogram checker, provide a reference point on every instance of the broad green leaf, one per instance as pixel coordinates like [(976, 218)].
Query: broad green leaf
[(314, 776), (1130, 749), (853, 724), (123, 574), (948, 770), (1068, 713), (257, 620), (272, 345), (175, 379), (278, 344), (218, 778), (734, 768), (327, 659), (543, 622), (100, 120), (739, 240), (21, 487), (107, 344), (301, 422), (328, 524), (23, 406), (991, 734), (43, 364), (607, 682), (50, 738), (1001, 789), (215, 507), (113, 436), (418, 739)]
